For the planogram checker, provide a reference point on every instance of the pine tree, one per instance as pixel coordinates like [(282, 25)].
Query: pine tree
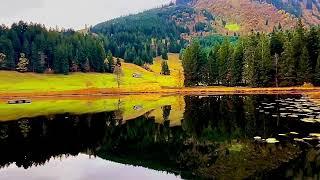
[(317, 72), (276, 42), (34, 56), (164, 54), (249, 66), (165, 68), (192, 59), (138, 61), (265, 65), (237, 65), (110, 61), (26, 48), (224, 57), (287, 69), (213, 68), (16, 44), (298, 42), (100, 57), (304, 69), (7, 50), (61, 63)]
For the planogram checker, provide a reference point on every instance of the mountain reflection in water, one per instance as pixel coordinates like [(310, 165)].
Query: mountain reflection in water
[(212, 137)]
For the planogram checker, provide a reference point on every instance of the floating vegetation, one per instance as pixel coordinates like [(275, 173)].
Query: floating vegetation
[(307, 110), (308, 139), (317, 135), (298, 140), (309, 120), (257, 138), (272, 140), (299, 109), (294, 133)]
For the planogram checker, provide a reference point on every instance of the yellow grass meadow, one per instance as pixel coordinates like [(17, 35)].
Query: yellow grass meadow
[(15, 82)]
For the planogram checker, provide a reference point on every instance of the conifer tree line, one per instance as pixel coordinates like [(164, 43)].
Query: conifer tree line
[(32, 48), (281, 58)]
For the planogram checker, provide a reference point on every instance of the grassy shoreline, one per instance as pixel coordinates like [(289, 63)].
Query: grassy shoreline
[(162, 91), (31, 85)]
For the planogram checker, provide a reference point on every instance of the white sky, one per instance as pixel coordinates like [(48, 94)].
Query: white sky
[(71, 13)]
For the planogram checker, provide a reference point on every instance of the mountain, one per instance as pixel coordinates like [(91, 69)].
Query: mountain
[(243, 16), (139, 37)]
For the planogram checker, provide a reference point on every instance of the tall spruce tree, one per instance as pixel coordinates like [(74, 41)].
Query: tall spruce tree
[(6, 48), (304, 73), (61, 63), (250, 69), (194, 62), (287, 73), (213, 67), (237, 64), (276, 42), (317, 72), (164, 54), (224, 57), (266, 64), (165, 68), (110, 62)]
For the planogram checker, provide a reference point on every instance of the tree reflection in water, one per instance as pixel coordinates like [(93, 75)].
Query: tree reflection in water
[(215, 139)]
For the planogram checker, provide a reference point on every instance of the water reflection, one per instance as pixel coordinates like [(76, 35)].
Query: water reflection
[(213, 137)]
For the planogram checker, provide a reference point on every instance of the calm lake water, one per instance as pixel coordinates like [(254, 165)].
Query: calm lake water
[(170, 137)]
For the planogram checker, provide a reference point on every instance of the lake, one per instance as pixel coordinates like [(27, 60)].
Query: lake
[(162, 137)]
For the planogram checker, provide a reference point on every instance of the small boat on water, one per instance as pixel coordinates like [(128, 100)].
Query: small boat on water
[(19, 101)]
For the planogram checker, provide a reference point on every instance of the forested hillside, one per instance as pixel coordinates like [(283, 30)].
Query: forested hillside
[(282, 58), (138, 38), (32, 48)]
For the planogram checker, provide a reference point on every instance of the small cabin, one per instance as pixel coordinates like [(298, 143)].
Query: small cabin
[(136, 75), (20, 101), (137, 108)]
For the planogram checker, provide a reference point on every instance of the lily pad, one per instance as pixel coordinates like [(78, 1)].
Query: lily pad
[(272, 140)]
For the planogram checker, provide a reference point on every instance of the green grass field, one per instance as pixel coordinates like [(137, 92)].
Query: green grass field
[(233, 27), (15, 82)]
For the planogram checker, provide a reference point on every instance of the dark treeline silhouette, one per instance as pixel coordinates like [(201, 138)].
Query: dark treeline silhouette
[(33, 48), (33, 141), (280, 58)]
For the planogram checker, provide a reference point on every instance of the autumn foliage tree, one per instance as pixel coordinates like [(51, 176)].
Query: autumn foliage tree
[(23, 63)]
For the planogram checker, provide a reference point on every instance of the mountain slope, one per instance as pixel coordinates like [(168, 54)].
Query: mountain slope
[(260, 15), (140, 37)]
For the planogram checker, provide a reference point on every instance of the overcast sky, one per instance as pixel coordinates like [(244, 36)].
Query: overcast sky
[(71, 13)]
